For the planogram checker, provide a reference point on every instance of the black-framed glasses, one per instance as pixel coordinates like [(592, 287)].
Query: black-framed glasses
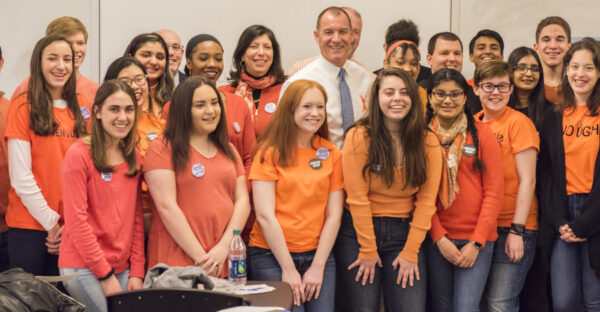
[(139, 80), (441, 95), (489, 87), (522, 68)]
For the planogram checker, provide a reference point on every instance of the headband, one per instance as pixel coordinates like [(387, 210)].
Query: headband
[(397, 44)]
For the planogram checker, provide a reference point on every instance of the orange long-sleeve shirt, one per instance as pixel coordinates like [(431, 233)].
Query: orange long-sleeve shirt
[(371, 197), (474, 213)]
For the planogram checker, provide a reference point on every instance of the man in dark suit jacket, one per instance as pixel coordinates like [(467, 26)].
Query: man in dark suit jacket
[(175, 54)]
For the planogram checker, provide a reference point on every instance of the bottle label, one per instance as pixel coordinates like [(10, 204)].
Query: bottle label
[(237, 269)]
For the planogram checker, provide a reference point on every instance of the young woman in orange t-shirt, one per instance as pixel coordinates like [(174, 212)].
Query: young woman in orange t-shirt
[(41, 125), (197, 182), (392, 168), (569, 190), (103, 238), (298, 195), (470, 197), (517, 222), (152, 51)]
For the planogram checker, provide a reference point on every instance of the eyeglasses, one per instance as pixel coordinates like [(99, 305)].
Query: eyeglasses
[(441, 95), (175, 47), (139, 80), (522, 68), (489, 87)]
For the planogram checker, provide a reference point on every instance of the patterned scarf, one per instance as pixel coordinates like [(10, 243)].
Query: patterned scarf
[(454, 140), (247, 84)]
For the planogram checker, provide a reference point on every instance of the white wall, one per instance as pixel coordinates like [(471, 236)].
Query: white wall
[(516, 21), (23, 23), (292, 22), (113, 23)]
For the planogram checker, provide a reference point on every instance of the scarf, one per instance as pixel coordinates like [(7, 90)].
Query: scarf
[(453, 139), (246, 84)]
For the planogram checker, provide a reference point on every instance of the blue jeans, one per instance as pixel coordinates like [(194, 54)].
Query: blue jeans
[(506, 278), (452, 288), (266, 268), (390, 236), (571, 272), (87, 290)]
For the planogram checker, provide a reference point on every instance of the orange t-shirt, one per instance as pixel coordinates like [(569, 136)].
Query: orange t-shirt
[(85, 86), (516, 133), (552, 94), (206, 201), (371, 197), (47, 153), (149, 128), (263, 114), (301, 193), (423, 97), (581, 141), (4, 178)]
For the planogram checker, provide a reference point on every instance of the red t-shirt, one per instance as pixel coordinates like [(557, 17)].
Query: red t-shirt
[(205, 197), (269, 98), (103, 228)]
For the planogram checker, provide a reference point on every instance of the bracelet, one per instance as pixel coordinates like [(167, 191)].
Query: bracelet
[(518, 228), (516, 233), (107, 276), (476, 244)]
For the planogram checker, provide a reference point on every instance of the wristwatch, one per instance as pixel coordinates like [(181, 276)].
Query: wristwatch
[(477, 245)]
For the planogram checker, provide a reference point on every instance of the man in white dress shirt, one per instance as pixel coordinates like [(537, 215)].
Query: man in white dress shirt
[(334, 37)]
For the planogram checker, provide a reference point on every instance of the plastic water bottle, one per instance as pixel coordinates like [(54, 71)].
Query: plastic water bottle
[(237, 259)]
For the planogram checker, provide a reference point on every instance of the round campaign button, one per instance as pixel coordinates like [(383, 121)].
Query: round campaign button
[(152, 135), (85, 113), (322, 153), (236, 127), (469, 150), (198, 170), (316, 164), (106, 176), (270, 108)]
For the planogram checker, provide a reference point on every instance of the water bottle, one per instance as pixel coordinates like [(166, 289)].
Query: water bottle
[(237, 259)]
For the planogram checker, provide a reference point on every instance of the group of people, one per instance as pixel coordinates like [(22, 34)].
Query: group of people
[(442, 193)]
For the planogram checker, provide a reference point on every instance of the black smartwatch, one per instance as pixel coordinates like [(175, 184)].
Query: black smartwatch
[(477, 245)]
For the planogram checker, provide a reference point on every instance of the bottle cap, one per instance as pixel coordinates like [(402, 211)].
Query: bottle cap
[(237, 232)]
